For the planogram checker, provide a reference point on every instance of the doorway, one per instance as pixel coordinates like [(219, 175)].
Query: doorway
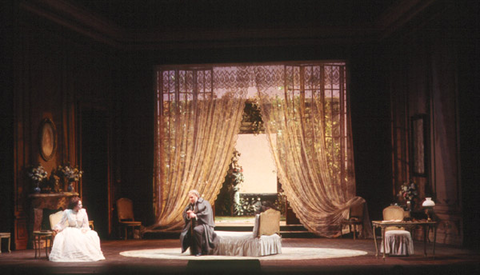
[(94, 149), (251, 182)]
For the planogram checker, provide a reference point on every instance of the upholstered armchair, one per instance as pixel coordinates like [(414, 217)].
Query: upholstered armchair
[(125, 215)]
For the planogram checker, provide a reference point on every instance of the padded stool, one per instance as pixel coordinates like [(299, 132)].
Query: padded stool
[(5, 235), (398, 242), (38, 236)]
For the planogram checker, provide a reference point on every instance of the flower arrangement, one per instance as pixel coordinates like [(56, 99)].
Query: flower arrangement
[(408, 191), (71, 174), (37, 174)]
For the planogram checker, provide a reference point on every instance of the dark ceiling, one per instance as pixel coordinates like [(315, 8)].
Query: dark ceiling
[(237, 14)]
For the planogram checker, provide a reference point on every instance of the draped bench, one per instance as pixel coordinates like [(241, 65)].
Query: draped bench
[(264, 240)]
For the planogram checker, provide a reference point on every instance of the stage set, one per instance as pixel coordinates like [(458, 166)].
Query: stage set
[(299, 256), (333, 113)]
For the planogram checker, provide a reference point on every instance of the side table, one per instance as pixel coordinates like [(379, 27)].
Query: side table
[(5, 235)]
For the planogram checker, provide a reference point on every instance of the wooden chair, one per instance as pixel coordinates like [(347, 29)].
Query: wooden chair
[(355, 218), (46, 237), (398, 241), (39, 237), (125, 216)]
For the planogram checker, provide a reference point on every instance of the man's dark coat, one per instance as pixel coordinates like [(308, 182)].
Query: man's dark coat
[(204, 212)]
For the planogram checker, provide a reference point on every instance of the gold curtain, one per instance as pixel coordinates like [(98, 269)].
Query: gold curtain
[(198, 118), (305, 115), (304, 109)]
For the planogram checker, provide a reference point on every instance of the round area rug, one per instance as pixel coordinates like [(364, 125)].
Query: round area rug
[(288, 253)]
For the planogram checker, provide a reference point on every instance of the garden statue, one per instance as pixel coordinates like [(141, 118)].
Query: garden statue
[(236, 176)]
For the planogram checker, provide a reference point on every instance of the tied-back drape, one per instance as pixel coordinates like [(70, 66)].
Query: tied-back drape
[(305, 114), (198, 119)]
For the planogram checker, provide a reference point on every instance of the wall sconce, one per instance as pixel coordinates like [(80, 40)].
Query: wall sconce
[(428, 205)]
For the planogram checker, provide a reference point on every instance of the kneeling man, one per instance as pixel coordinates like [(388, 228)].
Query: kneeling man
[(198, 233)]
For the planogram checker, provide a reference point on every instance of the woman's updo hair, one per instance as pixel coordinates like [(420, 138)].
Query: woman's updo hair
[(73, 202)]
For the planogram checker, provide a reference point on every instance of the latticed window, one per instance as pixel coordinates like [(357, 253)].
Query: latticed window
[(308, 83), (304, 110), (319, 86)]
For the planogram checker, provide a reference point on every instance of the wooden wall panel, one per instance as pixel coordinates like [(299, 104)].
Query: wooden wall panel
[(426, 82), (55, 71)]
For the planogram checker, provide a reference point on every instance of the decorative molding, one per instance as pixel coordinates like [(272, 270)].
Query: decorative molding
[(77, 19), (400, 14), (90, 24)]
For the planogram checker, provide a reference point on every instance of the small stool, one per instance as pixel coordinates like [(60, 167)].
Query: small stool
[(5, 235), (398, 243), (38, 236)]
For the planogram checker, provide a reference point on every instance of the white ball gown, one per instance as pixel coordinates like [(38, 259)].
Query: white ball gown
[(75, 242)]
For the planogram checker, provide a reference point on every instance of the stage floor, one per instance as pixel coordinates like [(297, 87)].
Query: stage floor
[(448, 260)]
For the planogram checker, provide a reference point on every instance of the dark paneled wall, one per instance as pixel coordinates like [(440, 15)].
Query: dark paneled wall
[(433, 71), (136, 116), (6, 118), (468, 80), (370, 114), (53, 73)]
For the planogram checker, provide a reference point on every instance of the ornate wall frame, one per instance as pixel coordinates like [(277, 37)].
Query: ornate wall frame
[(47, 139)]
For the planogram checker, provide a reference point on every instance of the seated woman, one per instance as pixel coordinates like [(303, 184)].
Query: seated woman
[(75, 241)]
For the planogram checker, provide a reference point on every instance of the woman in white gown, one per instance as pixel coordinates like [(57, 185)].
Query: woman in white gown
[(75, 241)]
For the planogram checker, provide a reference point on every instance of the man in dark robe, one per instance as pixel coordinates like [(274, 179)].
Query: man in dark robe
[(198, 233)]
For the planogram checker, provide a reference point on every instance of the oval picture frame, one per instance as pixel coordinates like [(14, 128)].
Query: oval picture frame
[(47, 139)]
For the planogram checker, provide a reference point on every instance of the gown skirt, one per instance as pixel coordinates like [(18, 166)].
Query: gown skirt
[(72, 245)]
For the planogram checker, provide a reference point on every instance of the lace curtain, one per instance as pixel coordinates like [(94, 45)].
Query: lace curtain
[(199, 116), (306, 119)]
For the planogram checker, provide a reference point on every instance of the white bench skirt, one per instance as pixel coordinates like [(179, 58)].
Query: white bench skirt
[(398, 242), (244, 244)]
